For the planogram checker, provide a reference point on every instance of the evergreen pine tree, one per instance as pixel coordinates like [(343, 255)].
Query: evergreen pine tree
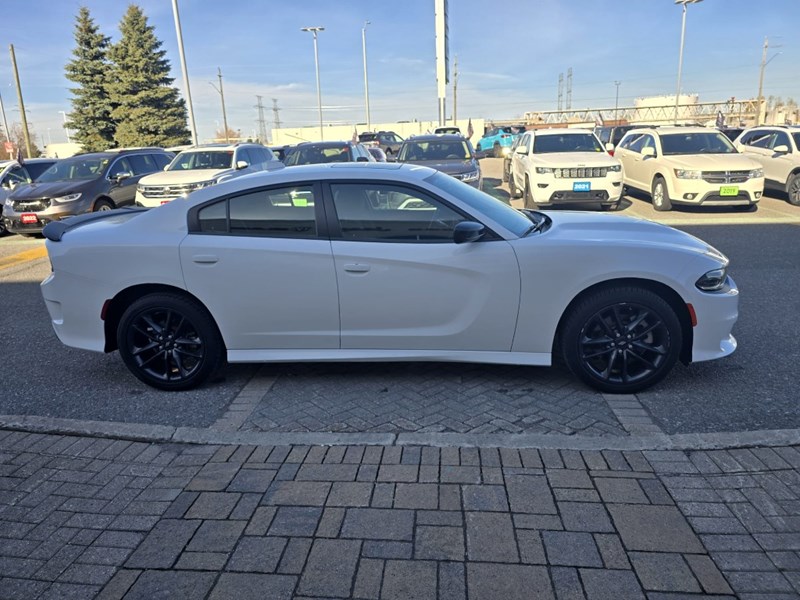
[(147, 109), (90, 119)]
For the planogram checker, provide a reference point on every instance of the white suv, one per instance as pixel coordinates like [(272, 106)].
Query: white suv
[(689, 165), (777, 149), (564, 166), (202, 166)]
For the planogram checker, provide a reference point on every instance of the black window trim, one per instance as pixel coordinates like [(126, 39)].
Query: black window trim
[(335, 231), (193, 219)]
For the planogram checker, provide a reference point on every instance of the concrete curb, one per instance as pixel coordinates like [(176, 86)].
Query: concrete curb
[(194, 435)]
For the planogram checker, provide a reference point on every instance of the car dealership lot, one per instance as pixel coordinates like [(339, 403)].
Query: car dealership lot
[(755, 388)]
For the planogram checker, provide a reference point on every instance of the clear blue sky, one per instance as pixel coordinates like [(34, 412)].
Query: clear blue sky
[(510, 53)]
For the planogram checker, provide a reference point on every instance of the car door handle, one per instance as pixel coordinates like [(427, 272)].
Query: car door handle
[(205, 259), (356, 268)]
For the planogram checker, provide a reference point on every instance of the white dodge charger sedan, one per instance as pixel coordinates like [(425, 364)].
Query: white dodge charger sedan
[(383, 262)]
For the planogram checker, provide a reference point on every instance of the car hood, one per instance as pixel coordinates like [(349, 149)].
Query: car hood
[(183, 176), (575, 159), (713, 162), (451, 167), (582, 227), (52, 189)]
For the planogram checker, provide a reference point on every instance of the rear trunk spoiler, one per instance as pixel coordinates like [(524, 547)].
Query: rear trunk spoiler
[(55, 230)]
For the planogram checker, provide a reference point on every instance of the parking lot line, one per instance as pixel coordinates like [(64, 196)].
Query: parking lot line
[(22, 257)]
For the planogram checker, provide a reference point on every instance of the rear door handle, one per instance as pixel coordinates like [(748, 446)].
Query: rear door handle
[(356, 268), (205, 259)]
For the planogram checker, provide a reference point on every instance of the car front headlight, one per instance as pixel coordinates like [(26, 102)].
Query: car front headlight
[(713, 280), (688, 174), (471, 176), (543, 170), (202, 184), (756, 173), (67, 198), (615, 168)]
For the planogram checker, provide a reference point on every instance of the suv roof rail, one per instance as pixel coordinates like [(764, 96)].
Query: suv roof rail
[(132, 149)]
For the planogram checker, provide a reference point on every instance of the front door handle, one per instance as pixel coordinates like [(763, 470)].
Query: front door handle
[(205, 259), (356, 268)]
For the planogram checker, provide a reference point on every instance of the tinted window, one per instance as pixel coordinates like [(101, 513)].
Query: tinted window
[(80, 168), (379, 212), (781, 139), (761, 141), (214, 218), (142, 164), (316, 154), (121, 165), (244, 154), (796, 137), (435, 150), (627, 141), (284, 212), (604, 133), (37, 168), (696, 143), (203, 159), (636, 145)]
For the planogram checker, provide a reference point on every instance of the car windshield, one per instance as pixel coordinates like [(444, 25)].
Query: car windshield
[(75, 169), (367, 137), (568, 142), (435, 150), (497, 210), (313, 155), (205, 159), (696, 143)]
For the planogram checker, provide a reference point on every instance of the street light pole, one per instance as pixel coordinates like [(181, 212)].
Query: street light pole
[(683, 3), (616, 103), (366, 80), (221, 93), (314, 31), (66, 131), (185, 71)]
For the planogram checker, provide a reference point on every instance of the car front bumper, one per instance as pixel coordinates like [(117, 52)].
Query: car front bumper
[(550, 191), (717, 313), (699, 192)]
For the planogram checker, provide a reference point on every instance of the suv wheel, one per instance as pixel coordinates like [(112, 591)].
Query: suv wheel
[(103, 205), (660, 196), (793, 189)]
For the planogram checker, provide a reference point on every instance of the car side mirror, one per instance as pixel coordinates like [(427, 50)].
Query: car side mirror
[(648, 152), (241, 164), (782, 149), (124, 175), (468, 231), (521, 150)]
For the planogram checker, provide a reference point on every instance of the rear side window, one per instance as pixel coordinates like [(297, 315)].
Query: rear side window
[(142, 164)]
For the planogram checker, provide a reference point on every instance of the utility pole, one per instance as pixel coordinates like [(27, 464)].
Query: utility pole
[(616, 103), (569, 88), (366, 79), (21, 103), (764, 63), (276, 118), (221, 93), (455, 91), (560, 91), (262, 123), (187, 90), (314, 31)]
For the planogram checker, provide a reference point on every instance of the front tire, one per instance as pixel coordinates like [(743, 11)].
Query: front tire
[(793, 189), (505, 176), (512, 186), (103, 205), (529, 203), (660, 195), (170, 342), (621, 340)]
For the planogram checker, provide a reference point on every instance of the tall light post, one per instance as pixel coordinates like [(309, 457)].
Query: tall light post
[(185, 71), (764, 63), (366, 80), (66, 131), (314, 31), (616, 103), (221, 93), (683, 3)]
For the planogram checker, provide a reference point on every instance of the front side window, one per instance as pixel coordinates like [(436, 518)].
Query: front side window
[(17, 176), (283, 212), (380, 212), (781, 139), (120, 166), (161, 160)]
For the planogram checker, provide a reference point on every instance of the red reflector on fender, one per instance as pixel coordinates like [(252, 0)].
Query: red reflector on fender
[(104, 310), (692, 314)]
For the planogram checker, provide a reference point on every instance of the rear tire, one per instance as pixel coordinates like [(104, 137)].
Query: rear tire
[(793, 189), (621, 340), (660, 195), (170, 342)]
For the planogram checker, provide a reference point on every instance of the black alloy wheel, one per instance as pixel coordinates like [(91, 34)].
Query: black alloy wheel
[(622, 340), (169, 342)]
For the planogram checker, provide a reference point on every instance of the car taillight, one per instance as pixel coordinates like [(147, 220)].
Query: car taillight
[(610, 152)]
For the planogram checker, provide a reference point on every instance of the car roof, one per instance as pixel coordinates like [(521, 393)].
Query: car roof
[(433, 137), (323, 144), (561, 131), (669, 129)]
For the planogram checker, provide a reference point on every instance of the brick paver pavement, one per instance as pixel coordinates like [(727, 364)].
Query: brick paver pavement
[(83, 517)]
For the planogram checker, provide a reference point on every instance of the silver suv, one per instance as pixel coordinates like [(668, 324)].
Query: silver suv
[(777, 149)]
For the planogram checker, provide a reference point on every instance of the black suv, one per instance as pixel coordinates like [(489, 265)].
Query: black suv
[(80, 184), (448, 153), (388, 141), (313, 153)]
